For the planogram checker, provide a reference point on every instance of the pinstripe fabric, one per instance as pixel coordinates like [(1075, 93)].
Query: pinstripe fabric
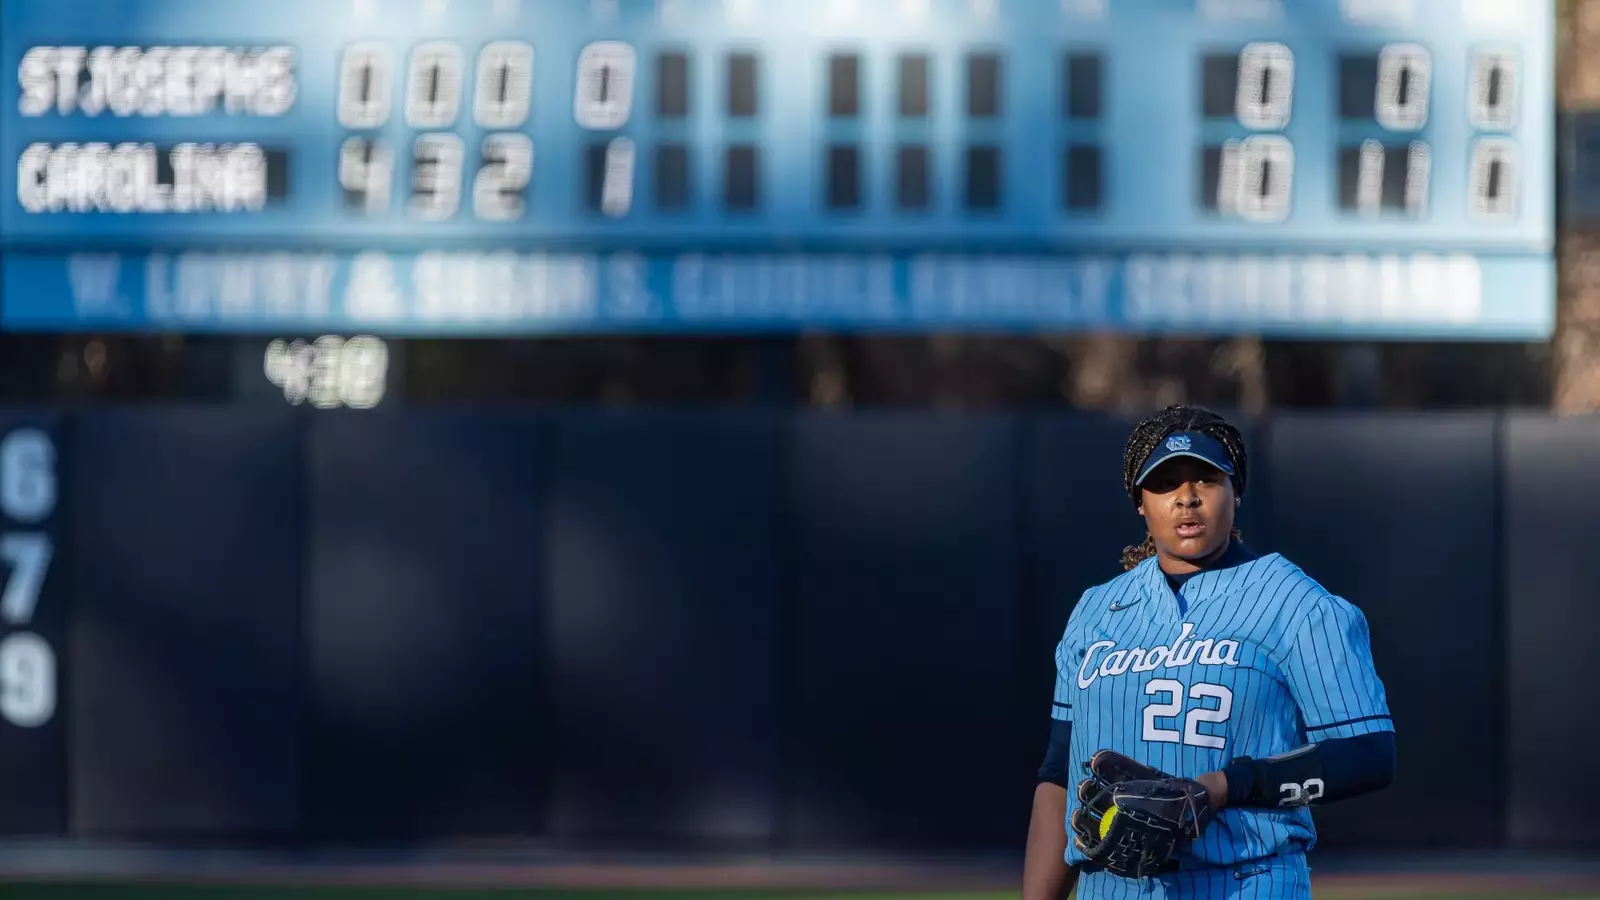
[(1259, 660)]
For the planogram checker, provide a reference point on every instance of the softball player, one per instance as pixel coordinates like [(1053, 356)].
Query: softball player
[(1236, 674)]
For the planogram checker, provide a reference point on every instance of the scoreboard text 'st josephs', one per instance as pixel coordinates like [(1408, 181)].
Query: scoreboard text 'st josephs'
[(1336, 167)]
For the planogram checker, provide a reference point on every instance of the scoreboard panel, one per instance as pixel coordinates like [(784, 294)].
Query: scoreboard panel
[(1376, 167)]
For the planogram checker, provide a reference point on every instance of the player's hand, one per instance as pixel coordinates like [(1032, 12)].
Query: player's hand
[(1108, 767), (1112, 767), (1216, 785), (1139, 828), (1135, 820)]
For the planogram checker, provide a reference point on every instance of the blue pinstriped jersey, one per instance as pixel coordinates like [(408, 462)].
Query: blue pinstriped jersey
[(1252, 660)]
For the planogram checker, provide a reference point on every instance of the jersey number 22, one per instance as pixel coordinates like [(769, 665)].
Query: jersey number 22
[(1172, 707)]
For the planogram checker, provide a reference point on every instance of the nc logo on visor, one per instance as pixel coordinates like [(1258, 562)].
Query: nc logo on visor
[(1178, 443)]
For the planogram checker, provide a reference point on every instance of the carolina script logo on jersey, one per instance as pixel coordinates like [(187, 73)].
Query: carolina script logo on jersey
[(1180, 653)]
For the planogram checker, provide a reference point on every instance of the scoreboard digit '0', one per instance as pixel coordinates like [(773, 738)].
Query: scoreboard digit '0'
[(1358, 167)]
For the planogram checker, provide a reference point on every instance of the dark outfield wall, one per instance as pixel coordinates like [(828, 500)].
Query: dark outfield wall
[(735, 630)]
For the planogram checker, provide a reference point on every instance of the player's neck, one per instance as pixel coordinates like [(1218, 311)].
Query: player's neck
[(1174, 565)]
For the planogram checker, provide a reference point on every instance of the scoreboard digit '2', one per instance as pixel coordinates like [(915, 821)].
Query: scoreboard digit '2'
[(1373, 168)]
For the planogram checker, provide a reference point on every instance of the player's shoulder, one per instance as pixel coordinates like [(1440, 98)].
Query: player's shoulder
[(1282, 581), (1304, 598), (1120, 589), (1098, 599), (1126, 581)]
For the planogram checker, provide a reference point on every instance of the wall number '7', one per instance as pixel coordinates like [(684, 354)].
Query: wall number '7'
[(1172, 707)]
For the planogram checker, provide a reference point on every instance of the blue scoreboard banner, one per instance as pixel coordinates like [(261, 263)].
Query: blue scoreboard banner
[(1379, 168)]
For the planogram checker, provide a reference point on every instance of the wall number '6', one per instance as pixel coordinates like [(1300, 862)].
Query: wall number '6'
[(27, 476), (1292, 794), (1198, 715)]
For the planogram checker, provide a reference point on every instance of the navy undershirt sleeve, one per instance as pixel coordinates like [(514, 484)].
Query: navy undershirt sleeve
[(1056, 768), (1347, 767), (1359, 765)]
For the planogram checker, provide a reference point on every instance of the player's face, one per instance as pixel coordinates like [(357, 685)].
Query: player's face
[(1188, 508)]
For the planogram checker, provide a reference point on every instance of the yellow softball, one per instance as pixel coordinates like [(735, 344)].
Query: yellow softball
[(1106, 820)]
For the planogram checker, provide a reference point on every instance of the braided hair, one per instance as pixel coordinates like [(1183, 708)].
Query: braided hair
[(1149, 434)]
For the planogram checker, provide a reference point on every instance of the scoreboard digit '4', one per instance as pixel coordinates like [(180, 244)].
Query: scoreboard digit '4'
[(1338, 167)]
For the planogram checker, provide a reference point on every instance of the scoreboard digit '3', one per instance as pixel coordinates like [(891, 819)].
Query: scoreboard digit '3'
[(1334, 167)]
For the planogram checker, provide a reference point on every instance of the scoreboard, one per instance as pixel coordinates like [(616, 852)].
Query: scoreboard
[(1378, 168)]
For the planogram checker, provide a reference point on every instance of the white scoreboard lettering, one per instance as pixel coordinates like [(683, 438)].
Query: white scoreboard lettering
[(28, 497)]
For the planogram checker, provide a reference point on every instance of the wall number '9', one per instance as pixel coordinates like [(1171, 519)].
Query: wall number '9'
[(28, 495), (27, 680), (1172, 707)]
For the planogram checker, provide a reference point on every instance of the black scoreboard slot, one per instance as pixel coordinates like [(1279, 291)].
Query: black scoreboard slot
[(983, 178), (594, 174), (1081, 178), (1376, 177), (913, 86), (672, 85), (844, 177), (743, 86), (983, 85), (912, 193), (741, 184), (1396, 180), (1219, 85), (672, 177), (844, 85), (1358, 86), (1350, 178), (1210, 177), (1081, 86), (277, 174)]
